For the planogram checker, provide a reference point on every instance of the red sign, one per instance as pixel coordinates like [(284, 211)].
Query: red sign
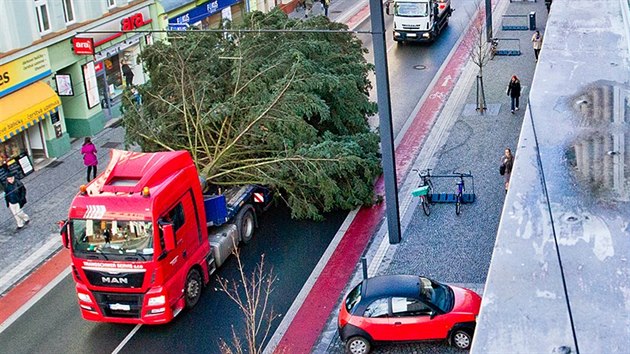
[(98, 66), (83, 46), (132, 22)]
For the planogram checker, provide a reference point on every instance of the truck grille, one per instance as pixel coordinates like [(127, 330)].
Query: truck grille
[(411, 27), (120, 305), (121, 280)]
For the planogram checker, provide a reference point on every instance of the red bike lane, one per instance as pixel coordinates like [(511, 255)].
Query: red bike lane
[(311, 318)]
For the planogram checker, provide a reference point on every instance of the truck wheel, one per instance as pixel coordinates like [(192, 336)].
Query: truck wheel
[(246, 223), (192, 289)]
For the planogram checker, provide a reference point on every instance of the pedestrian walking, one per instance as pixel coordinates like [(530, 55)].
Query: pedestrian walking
[(128, 74), (537, 41), (505, 169), (514, 91), (15, 197), (325, 5), (309, 7), (89, 157)]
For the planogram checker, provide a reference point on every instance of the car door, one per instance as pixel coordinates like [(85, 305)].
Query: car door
[(375, 319), (411, 319)]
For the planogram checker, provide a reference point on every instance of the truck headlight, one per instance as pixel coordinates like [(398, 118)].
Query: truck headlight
[(84, 297), (157, 301)]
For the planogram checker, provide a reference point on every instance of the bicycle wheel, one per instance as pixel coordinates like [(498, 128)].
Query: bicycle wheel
[(425, 205), (458, 205), (429, 191)]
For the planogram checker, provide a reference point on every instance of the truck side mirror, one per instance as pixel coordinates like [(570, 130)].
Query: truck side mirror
[(169, 237), (63, 231), (387, 7)]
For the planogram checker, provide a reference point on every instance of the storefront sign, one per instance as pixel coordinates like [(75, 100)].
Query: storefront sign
[(91, 86), (200, 12), (123, 23), (24, 71), (115, 49), (98, 66), (64, 85), (83, 46)]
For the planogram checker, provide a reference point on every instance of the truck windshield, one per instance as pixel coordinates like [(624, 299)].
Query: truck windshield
[(114, 239), (411, 9)]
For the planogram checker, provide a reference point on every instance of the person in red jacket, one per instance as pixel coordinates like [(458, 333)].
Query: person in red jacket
[(89, 157)]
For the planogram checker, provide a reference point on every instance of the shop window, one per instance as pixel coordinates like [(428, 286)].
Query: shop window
[(68, 11), (111, 3), (43, 20), (113, 72), (11, 149)]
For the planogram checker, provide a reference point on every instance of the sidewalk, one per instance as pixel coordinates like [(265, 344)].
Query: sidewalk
[(49, 193), (459, 139)]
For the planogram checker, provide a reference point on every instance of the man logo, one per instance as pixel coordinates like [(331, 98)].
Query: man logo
[(114, 280)]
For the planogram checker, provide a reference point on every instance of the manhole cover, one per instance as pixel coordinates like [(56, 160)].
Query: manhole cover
[(110, 145), (419, 67), (54, 164)]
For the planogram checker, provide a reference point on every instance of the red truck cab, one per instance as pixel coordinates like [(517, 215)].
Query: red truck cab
[(138, 239)]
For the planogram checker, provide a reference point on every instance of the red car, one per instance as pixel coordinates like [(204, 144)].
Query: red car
[(407, 308)]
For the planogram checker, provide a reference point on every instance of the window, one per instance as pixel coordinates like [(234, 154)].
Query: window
[(402, 307), (41, 7), (68, 11), (111, 3), (378, 308), (176, 216)]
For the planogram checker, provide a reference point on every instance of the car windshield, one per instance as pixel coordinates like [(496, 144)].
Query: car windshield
[(436, 293), (112, 238), (411, 9), (353, 298)]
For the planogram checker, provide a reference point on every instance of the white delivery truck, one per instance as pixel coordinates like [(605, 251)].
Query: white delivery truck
[(418, 20)]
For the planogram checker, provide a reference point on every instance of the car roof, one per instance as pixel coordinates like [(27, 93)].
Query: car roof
[(391, 285)]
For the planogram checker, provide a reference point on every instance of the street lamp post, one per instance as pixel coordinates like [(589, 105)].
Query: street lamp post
[(385, 121)]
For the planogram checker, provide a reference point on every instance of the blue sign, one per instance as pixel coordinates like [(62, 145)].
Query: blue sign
[(177, 26), (202, 11)]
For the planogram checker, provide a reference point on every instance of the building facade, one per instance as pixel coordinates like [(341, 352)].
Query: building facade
[(64, 65)]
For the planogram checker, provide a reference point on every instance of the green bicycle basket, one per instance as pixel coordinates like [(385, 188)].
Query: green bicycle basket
[(424, 190)]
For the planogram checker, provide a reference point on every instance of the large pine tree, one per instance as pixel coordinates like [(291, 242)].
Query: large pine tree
[(287, 110)]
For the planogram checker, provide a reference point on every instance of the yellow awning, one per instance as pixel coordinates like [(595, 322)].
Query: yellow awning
[(25, 107)]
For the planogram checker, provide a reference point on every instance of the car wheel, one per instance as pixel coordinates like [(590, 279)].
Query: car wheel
[(192, 289), (461, 339), (358, 345)]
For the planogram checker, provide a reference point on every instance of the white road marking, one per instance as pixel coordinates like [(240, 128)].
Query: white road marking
[(127, 339), (33, 300)]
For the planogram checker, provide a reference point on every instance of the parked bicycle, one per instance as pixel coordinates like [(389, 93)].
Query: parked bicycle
[(424, 190), (461, 187)]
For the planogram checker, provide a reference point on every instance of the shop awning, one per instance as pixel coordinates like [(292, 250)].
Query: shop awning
[(26, 107)]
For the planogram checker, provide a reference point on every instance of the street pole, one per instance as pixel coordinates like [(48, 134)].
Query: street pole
[(489, 20), (385, 121)]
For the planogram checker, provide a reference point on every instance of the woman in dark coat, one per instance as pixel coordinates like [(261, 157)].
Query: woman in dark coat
[(507, 161), (514, 91)]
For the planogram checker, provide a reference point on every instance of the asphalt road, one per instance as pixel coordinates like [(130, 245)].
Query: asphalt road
[(292, 248)]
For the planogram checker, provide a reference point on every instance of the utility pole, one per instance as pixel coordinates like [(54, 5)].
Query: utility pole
[(489, 21), (385, 119)]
